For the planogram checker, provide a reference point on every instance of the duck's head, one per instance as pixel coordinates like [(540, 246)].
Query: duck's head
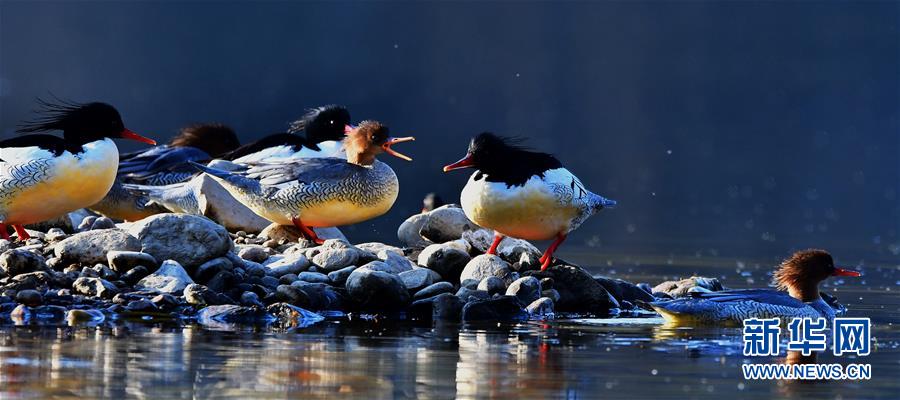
[(81, 123), (369, 139), (801, 274), (503, 159), (324, 123), (215, 139)]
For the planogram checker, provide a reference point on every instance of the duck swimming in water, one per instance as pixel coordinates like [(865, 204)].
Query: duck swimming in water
[(163, 165), (523, 193), (45, 176), (321, 192), (796, 295)]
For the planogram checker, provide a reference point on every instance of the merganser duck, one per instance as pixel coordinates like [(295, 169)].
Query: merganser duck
[(323, 131), (45, 176), (796, 295), (523, 193), (163, 165), (321, 192)]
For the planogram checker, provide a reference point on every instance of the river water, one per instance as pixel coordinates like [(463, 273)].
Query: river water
[(369, 358)]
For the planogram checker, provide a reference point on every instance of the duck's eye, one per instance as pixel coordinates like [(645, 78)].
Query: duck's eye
[(331, 122)]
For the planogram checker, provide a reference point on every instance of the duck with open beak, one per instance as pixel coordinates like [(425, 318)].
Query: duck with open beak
[(321, 192)]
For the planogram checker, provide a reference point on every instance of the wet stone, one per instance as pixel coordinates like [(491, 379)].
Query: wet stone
[(134, 275), (487, 265), (30, 298), (447, 261), (290, 315), (624, 291), (313, 277), (434, 290), (215, 315), (16, 262), (94, 287), (578, 291), (169, 278), (321, 296), (211, 268), (416, 279), (141, 306), (397, 262), (340, 276), (91, 247), (467, 295), (281, 265), (446, 223), (124, 261), (542, 307), (250, 299), (500, 308), (527, 289), (288, 279), (292, 295), (254, 253), (188, 239), (408, 232), (199, 295), (377, 290), (103, 223), (85, 317), (333, 260), (492, 285)]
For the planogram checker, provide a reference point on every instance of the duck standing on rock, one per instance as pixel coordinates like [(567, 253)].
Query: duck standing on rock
[(320, 192), (45, 176), (524, 194), (163, 165), (796, 295)]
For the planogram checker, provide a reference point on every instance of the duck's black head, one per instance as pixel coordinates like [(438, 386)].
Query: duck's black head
[(214, 139), (801, 274), (501, 159), (81, 123), (324, 123)]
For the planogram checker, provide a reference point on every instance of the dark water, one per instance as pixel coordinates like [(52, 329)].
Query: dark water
[(613, 358)]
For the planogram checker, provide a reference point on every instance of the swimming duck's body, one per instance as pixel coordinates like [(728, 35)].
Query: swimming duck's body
[(797, 278), (523, 194)]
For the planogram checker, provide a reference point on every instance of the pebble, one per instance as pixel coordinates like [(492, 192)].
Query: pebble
[(30, 298), (434, 290), (211, 268), (281, 265), (124, 261), (189, 240), (103, 223), (84, 317), (340, 276), (92, 247), (624, 291), (377, 290), (408, 232), (492, 284), (542, 307), (396, 261), (141, 306), (487, 265), (95, 287), (313, 277), (16, 262), (199, 295), (254, 253), (578, 291), (447, 261), (169, 278), (526, 289), (134, 275), (335, 259), (416, 279), (446, 223), (231, 314), (500, 308)]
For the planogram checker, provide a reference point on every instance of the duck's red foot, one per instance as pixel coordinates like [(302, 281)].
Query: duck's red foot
[(497, 239), (548, 255), (307, 232), (3, 232), (20, 231)]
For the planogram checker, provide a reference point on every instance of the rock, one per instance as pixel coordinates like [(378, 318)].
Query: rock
[(250, 299), (211, 268), (416, 279), (188, 239), (16, 262), (165, 302), (288, 279), (445, 260), (552, 294), (170, 278), (103, 223), (479, 240), (321, 296), (501, 308), (254, 269), (254, 253), (124, 261), (340, 276), (493, 285), (408, 232), (135, 274), (434, 290), (467, 295), (377, 290), (141, 306), (487, 265), (377, 248), (624, 291), (222, 281), (542, 307), (95, 287), (232, 314), (511, 250), (30, 298), (289, 315), (397, 261), (105, 272), (279, 266), (447, 307), (313, 277), (330, 233), (682, 287), (578, 291), (526, 289), (200, 295), (281, 233), (56, 234), (335, 259), (446, 223), (85, 317), (381, 266), (91, 247), (459, 244), (292, 295)]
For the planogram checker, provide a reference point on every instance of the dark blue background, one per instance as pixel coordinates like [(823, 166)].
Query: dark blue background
[(722, 128)]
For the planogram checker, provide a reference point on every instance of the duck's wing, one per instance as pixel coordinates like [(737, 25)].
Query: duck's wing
[(767, 296), (23, 148), (304, 171), (163, 165), (287, 140)]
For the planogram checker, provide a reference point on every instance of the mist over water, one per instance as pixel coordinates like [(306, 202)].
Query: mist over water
[(722, 129)]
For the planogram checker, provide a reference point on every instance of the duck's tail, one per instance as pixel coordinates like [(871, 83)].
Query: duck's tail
[(179, 197), (599, 202), (230, 178)]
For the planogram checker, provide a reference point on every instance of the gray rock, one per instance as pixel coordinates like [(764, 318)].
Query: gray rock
[(134, 275), (446, 223), (511, 250), (445, 260), (86, 223), (552, 294), (408, 232), (124, 261), (56, 234), (330, 233), (416, 279), (170, 278), (199, 295), (397, 261), (292, 295), (103, 223), (16, 262), (479, 240), (321, 296), (313, 277), (211, 268), (682, 287), (493, 285), (30, 298), (500, 308), (447, 307), (254, 253), (105, 272), (467, 295), (381, 266), (91, 247), (254, 269), (281, 233), (95, 287), (578, 291), (487, 265), (278, 266), (250, 299), (542, 307), (335, 259), (231, 314), (188, 239), (142, 306), (288, 279), (376, 290), (85, 317), (526, 289), (434, 290), (340, 276), (624, 291), (377, 248)]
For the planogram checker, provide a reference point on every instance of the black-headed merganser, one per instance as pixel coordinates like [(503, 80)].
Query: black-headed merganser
[(321, 192), (44, 176), (163, 165), (796, 295), (523, 193)]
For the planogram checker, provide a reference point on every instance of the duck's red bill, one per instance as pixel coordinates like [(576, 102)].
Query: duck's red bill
[(392, 141), (845, 272), (129, 134), (466, 162)]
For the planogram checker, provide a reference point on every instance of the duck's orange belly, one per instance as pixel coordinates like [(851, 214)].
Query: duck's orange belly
[(67, 189), (529, 214)]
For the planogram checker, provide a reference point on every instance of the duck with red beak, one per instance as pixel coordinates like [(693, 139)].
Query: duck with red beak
[(320, 192), (524, 194), (44, 176), (796, 295)]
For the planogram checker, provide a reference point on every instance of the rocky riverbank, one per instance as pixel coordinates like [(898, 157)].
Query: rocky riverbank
[(178, 266)]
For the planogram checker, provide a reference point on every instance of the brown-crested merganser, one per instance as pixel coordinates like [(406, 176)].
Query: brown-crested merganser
[(163, 165), (523, 193), (796, 294), (321, 192), (44, 176)]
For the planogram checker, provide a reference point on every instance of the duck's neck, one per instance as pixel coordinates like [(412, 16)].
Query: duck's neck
[(365, 159), (805, 293)]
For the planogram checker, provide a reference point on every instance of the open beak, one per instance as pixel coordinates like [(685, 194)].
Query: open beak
[(845, 272), (392, 141), (466, 162), (129, 134)]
